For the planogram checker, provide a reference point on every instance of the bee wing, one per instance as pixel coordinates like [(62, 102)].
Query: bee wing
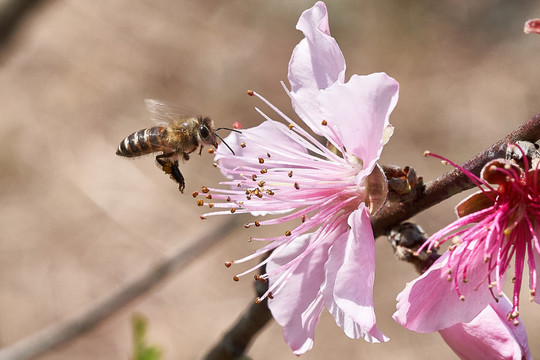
[(162, 114)]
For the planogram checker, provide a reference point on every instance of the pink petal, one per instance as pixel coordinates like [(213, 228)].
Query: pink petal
[(316, 63), (358, 113), (536, 258), (489, 335), (256, 145), (298, 305), (350, 273), (431, 303)]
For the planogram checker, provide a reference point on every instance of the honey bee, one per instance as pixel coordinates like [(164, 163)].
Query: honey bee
[(174, 135)]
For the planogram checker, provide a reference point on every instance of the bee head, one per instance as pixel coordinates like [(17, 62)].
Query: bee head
[(207, 131)]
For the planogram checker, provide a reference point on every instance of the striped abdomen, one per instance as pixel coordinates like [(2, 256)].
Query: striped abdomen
[(144, 142)]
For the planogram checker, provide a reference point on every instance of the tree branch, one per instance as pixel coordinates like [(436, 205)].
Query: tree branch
[(452, 182), (69, 328)]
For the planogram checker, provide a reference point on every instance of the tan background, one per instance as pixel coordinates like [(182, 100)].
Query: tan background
[(77, 221)]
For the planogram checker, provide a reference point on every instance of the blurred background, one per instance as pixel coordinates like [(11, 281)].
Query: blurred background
[(76, 221)]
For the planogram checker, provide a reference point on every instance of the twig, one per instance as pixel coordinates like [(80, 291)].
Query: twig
[(452, 182), (235, 342), (69, 328), (436, 191)]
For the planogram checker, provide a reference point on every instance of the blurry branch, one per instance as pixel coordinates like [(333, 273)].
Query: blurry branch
[(67, 329), (451, 183), (234, 343), (11, 14)]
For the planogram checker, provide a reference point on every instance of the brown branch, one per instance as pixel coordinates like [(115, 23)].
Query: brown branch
[(452, 182), (234, 343), (69, 328)]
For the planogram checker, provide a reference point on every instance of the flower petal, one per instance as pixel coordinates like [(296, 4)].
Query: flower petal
[(298, 305), (256, 145), (489, 335), (431, 303), (316, 63), (350, 273), (358, 113)]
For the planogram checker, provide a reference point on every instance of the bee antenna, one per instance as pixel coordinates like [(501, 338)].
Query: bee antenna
[(227, 145), (224, 128)]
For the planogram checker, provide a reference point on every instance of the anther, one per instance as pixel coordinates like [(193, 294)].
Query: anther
[(209, 196), (205, 190), (290, 173), (261, 161), (228, 199), (444, 162), (210, 205), (264, 171), (250, 92), (324, 123), (242, 144), (247, 226), (235, 278), (427, 153), (210, 151), (261, 183), (258, 300), (303, 218), (195, 194), (200, 203), (214, 165), (228, 263), (296, 186), (291, 126), (288, 233), (462, 298), (257, 224), (233, 210), (268, 154), (202, 217), (254, 177), (270, 295)]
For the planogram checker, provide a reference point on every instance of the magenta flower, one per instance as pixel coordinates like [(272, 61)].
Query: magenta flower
[(324, 191), (495, 226), (532, 26), (489, 335)]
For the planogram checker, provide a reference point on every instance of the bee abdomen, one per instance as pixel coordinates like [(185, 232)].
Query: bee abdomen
[(144, 142)]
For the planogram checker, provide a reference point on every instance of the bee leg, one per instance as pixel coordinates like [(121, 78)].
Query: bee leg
[(177, 175), (172, 169), (200, 150), (186, 156)]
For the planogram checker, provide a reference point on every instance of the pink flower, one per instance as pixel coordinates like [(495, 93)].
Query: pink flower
[(532, 26), (489, 335), (325, 192), (495, 226)]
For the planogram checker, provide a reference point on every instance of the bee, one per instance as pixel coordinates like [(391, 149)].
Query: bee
[(175, 136)]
